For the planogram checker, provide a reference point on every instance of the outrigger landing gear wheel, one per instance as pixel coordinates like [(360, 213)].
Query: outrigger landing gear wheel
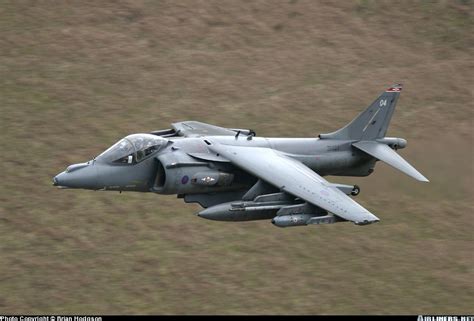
[(355, 190)]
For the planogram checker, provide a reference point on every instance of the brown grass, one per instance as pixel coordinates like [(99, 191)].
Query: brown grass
[(77, 76)]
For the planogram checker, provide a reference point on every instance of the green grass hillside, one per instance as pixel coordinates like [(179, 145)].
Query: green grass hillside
[(76, 76)]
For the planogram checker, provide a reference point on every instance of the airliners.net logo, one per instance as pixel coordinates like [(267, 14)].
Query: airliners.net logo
[(445, 318)]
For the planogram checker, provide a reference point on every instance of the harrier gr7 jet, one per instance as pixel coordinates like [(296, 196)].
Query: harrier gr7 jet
[(236, 176)]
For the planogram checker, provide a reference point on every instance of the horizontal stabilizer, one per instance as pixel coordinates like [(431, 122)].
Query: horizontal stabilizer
[(389, 156)]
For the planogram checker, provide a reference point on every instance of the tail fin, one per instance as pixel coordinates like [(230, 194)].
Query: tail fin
[(373, 122)]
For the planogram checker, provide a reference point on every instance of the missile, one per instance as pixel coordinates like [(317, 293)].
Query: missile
[(303, 219), (291, 220), (240, 211)]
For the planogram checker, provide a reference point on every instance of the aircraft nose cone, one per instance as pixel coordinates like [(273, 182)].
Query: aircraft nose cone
[(61, 180), (77, 177)]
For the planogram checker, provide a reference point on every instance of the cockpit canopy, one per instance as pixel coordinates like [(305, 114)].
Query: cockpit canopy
[(132, 149)]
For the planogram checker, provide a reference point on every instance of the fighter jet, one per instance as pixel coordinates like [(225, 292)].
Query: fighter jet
[(236, 176)]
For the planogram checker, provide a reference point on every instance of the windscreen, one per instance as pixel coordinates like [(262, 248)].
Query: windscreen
[(118, 152)]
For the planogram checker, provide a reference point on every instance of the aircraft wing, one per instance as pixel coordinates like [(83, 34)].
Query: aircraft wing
[(294, 178), (197, 129)]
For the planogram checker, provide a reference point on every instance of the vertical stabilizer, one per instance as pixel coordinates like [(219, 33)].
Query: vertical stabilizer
[(373, 122)]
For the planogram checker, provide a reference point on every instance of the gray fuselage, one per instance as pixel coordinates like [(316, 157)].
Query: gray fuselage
[(178, 166)]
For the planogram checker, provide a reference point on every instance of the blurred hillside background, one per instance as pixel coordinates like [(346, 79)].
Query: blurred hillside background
[(76, 76)]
